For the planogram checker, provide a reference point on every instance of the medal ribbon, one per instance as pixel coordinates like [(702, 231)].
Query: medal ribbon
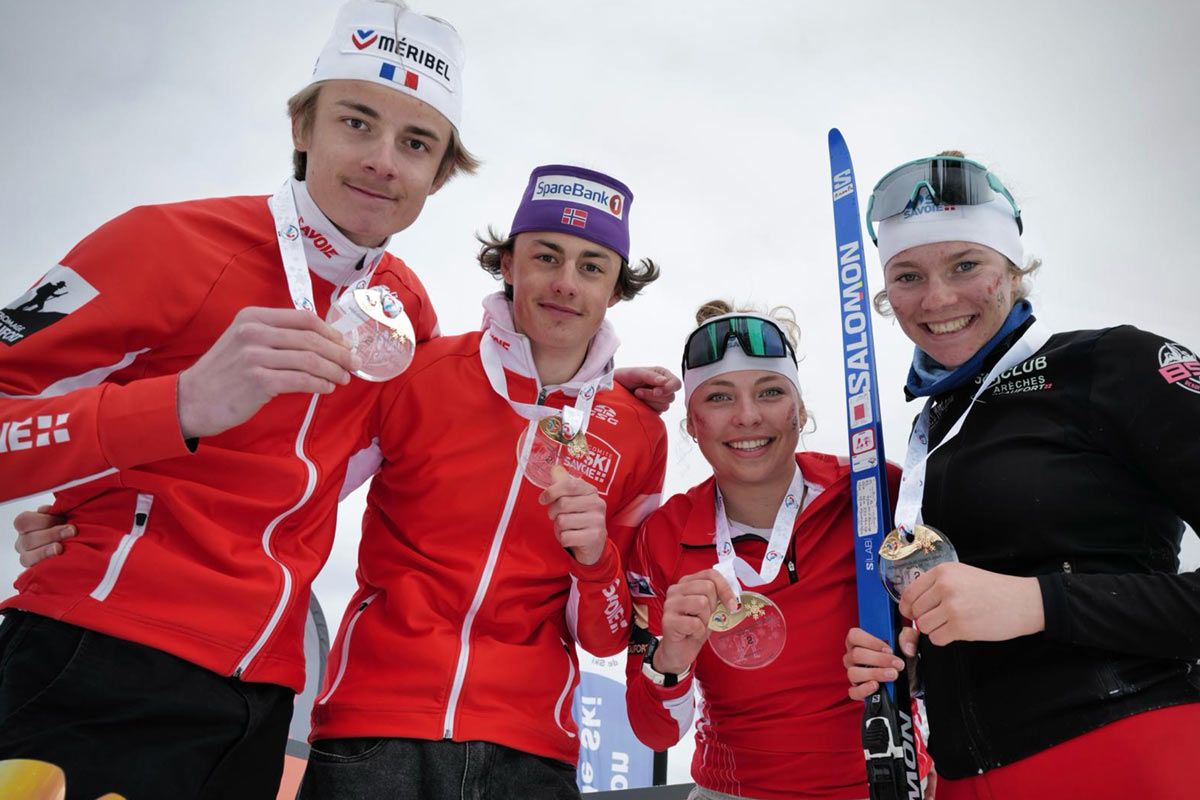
[(575, 418), (912, 483), (732, 567), (291, 249)]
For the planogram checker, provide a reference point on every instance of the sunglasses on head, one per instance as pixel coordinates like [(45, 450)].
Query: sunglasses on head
[(943, 180), (756, 336)]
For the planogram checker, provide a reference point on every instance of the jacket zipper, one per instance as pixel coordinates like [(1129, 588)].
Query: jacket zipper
[(485, 580), (345, 651), (969, 721), (141, 516), (285, 593)]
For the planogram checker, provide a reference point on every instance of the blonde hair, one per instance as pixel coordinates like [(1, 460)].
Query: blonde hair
[(1032, 265)]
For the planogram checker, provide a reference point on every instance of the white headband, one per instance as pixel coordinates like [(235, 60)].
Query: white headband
[(383, 43), (735, 360), (990, 224)]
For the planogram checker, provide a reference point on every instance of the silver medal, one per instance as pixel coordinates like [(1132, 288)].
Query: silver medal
[(377, 330)]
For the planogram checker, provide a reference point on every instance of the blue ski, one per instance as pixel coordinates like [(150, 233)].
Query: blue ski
[(888, 738)]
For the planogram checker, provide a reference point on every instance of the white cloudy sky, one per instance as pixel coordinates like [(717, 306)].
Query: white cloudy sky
[(715, 114)]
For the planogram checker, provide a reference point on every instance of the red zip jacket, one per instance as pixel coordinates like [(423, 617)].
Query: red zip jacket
[(468, 609), (206, 555), (788, 730)]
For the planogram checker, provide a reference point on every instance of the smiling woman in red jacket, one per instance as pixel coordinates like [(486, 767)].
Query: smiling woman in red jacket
[(775, 721)]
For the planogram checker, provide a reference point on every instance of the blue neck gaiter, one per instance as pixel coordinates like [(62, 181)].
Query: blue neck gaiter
[(928, 377)]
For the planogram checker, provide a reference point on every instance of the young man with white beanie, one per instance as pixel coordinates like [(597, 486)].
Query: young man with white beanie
[(181, 393)]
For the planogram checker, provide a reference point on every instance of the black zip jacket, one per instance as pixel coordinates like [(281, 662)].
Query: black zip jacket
[(1077, 467)]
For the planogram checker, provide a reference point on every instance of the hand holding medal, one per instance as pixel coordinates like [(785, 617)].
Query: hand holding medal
[(903, 557), (578, 512), (689, 605)]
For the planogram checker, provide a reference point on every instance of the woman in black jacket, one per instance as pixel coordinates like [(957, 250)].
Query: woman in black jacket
[(1058, 655)]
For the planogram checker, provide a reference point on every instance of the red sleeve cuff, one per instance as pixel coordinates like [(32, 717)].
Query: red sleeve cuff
[(139, 423), (684, 686), (604, 570)]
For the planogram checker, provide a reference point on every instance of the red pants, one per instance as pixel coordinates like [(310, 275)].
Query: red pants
[(1149, 756)]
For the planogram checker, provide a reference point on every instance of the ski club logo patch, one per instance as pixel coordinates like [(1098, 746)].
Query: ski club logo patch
[(598, 466), (1028, 376), (1179, 366), (61, 291), (362, 39)]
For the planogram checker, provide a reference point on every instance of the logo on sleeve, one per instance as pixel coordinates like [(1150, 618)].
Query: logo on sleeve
[(639, 585), (24, 435), (1179, 366), (56, 295)]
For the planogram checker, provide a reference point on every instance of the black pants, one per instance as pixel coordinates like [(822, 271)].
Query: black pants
[(417, 769), (122, 717)]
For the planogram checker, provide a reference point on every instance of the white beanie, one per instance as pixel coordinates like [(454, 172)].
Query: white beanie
[(385, 43), (990, 224)]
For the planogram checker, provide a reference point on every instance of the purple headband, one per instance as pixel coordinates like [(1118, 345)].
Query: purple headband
[(578, 201)]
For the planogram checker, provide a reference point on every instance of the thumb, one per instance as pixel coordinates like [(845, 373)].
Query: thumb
[(559, 473)]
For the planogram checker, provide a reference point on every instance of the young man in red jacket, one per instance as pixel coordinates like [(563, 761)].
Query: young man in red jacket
[(514, 477), (159, 654)]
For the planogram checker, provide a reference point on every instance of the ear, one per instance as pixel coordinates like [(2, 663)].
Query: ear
[(616, 297), (506, 266), (689, 427), (440, 180), (300, 138)]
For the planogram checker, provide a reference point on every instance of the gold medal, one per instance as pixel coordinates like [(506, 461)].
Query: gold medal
[(925, 540), (903, 560), (753, 606), (577, 446), (750, 638)]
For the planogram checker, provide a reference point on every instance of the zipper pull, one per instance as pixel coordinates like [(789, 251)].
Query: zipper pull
[(541, 396), (791, 568)]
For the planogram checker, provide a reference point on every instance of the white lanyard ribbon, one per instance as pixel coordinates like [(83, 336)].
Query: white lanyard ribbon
[(732, 567), (291, 249), (912, 483), (575, 418)]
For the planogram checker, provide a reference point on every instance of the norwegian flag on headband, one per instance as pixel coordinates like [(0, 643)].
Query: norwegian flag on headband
[(574, 216)]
